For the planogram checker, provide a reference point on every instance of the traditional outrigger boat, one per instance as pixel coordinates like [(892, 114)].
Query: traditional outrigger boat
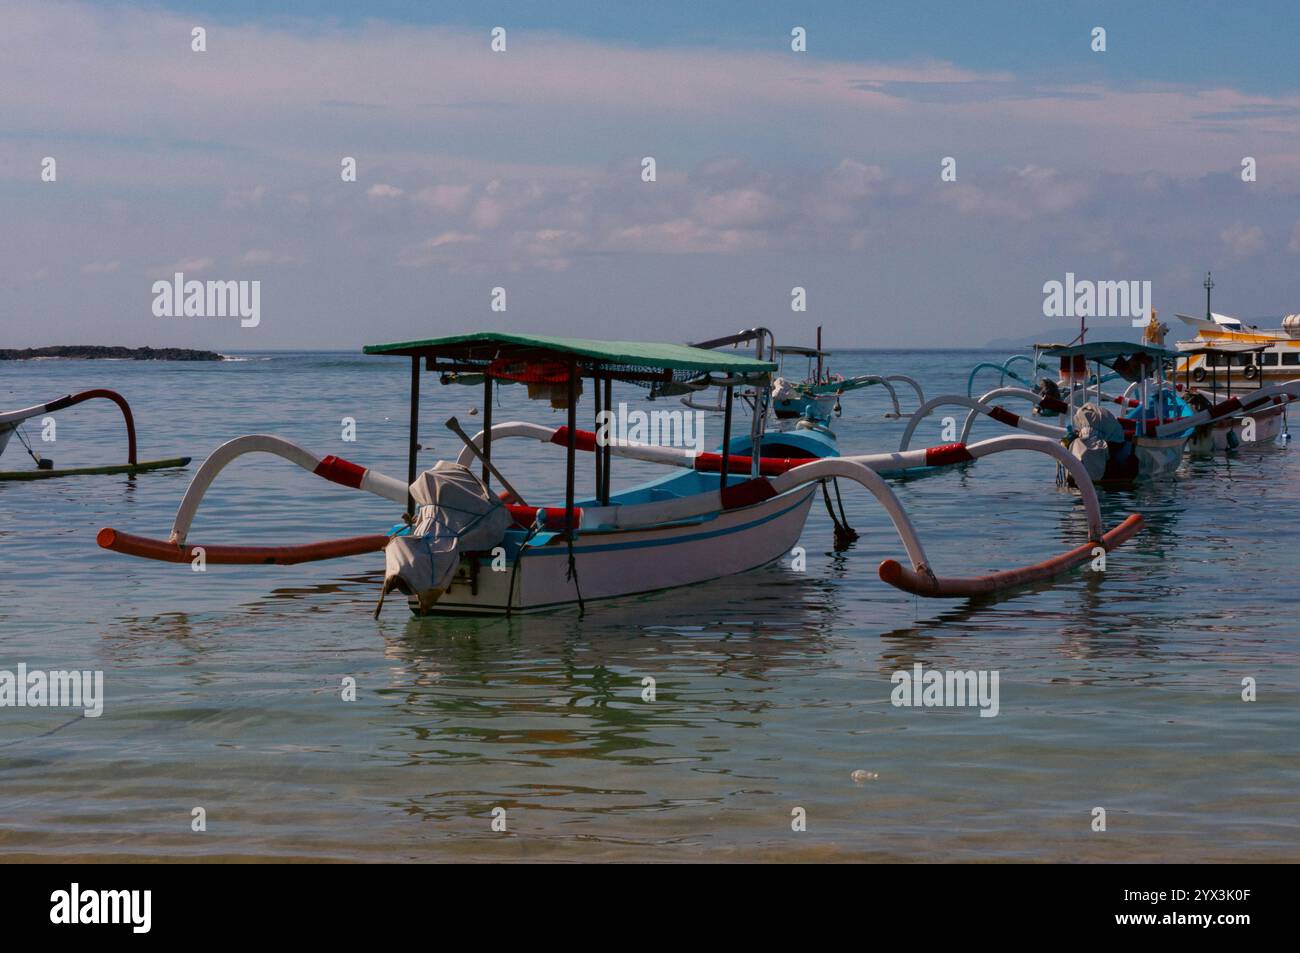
[(1260, 428), (463, 549), (1119, 450), (816, 397), (1144, 441), (1006, 369), (11, 422)]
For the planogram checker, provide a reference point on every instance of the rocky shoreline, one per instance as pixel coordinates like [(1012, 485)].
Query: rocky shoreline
[(96, 352)]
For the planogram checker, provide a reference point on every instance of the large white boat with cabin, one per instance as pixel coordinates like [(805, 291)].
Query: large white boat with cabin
[(1256, 354)]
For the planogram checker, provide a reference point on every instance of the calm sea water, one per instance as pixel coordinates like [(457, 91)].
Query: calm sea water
[(223, 688)]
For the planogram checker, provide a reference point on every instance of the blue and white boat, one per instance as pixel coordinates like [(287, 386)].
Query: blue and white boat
[(465, 548)]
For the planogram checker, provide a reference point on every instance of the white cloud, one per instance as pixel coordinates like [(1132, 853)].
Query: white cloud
[(682, 236), (263, 256), (1294, 244), (450, 199), (1243, 240), (237, 199), (187, 265), (738, 208), (432, 249)]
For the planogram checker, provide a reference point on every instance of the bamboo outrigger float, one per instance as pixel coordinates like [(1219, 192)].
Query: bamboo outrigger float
[(464, 549), (11, 421)]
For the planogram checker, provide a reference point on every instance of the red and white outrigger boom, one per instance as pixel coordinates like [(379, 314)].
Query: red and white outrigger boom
[(334, 469)]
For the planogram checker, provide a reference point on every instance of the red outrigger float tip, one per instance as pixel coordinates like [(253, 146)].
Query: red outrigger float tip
[(923, 584)]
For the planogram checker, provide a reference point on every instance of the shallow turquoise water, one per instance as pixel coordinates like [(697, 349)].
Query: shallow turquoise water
[(1119, 690)]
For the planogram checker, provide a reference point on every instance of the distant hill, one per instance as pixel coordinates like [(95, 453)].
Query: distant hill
[(96, 352), (1065, 333)]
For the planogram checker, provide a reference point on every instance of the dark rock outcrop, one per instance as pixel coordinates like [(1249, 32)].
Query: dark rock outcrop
[(97, 352)]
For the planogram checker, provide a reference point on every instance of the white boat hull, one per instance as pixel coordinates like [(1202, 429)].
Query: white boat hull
[(628, 562), (1232, 434), (1158, 456)]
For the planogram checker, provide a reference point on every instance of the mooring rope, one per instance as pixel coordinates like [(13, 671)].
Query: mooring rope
[(514, 570), (18, 431), (572, 572), (844, 533)]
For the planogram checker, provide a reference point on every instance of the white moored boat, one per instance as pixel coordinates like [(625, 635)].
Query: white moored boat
[(1143, 440), (815, 398), (1259, 428), (1262, 354), (464, 549)]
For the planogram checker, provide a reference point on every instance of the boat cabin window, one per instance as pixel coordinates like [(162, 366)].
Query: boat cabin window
[(1291, 357), (1230, 360), (1268, 359)]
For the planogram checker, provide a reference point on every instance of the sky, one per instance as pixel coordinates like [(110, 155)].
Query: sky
[(523, 169)]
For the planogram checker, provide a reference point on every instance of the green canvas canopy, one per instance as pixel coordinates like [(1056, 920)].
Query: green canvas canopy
[(487, 345), (653, 365), (1106, 350), (1130, 360), (797, 349)]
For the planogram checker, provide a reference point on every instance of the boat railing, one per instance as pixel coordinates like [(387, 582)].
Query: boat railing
[(1004, 371)]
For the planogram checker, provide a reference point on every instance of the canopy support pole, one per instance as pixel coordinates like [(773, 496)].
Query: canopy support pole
[(726, 438), (487, 430), (414, 431), (603, 490), (570, 474), (600, 457), (570, 465)]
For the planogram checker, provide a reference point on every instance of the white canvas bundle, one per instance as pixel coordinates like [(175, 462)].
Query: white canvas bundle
[(783, 389), (456, 513), (1094, 427)]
